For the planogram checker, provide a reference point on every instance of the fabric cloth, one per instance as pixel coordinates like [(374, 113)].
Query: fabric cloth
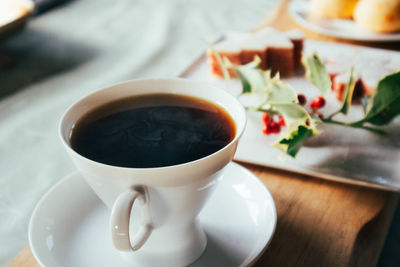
[(73, 50)]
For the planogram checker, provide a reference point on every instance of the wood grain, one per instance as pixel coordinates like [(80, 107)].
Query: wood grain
[(24, 259), (320, 223)]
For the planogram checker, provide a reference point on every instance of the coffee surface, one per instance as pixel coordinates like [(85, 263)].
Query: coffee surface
[(152, 131)]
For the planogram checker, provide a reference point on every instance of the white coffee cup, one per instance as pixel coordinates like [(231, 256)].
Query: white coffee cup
[(154, 210)]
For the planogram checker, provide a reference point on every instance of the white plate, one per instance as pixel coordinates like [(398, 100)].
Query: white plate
[(340, 153), (342, 28), (69, 226)]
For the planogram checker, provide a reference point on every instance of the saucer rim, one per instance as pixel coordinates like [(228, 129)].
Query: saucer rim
[(273, 209), (38, 206), (248, 261)]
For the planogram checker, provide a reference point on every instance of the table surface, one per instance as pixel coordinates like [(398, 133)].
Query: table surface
[(320, 223)]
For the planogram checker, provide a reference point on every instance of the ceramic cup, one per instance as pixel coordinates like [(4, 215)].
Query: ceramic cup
[(154, 210)]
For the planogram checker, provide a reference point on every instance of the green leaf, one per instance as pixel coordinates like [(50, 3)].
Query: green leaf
[(221, 64), (251, 77), (292, 112), (316, 73), (384, 105), (246, 86), (364, 102), (348, 93), (280, 91), (292, 144)]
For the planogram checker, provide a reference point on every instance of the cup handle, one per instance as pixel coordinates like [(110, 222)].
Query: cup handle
[(120, 221)]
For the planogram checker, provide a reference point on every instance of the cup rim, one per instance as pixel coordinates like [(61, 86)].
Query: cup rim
[(238, 133)]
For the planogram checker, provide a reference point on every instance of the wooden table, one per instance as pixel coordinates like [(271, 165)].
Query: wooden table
[(320, 223)]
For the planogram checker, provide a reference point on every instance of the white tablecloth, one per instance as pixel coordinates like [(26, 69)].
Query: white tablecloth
[(73, 50)]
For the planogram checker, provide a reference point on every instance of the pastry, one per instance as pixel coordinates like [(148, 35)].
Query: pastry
[(333, 8), (297, 38), (279, 51), (378, 15), (229, 49)]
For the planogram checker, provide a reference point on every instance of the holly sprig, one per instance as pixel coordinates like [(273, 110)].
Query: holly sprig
[(277, 97), (379, 109)]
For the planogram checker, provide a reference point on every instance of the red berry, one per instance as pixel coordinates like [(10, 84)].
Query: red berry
[(266, 129), (317, 103), (271, 126), (302, 99), (281, 121), (275, 127), (266, 118)]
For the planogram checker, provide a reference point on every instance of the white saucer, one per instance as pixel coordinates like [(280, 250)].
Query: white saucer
[(69, 226), (300, 10)]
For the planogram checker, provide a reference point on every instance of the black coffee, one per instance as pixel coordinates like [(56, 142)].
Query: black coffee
[(152, 131)]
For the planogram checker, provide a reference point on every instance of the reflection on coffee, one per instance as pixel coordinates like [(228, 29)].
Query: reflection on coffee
[(154, 130)]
